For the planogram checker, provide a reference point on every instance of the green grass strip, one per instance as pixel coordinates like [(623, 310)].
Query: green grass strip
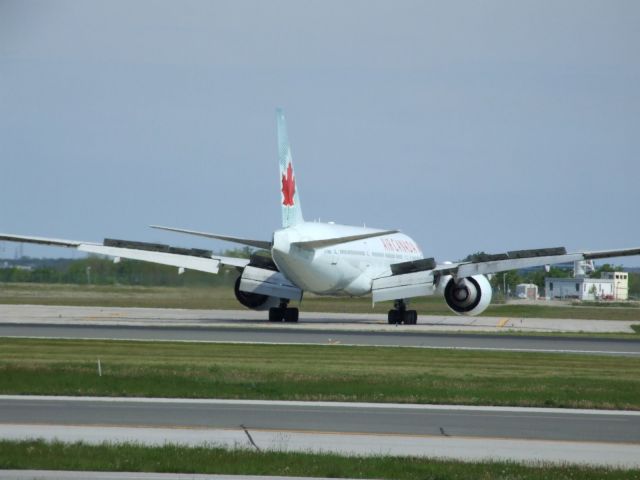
[(38, 454), (316, 372)]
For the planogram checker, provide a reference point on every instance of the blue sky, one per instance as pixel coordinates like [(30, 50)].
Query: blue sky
[(470, 126)]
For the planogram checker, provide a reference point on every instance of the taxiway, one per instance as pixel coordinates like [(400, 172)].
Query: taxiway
[(468, 433)]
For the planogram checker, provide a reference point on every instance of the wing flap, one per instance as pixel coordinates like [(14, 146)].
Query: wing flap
[(209, 265), (413, 266), (268, 282), (408, 285)]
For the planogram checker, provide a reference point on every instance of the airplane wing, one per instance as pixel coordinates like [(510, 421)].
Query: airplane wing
[(420, 277), (183, 258), (518, 259)]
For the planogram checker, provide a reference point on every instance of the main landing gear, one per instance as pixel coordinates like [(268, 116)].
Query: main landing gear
[(283, 312), (400, 314)]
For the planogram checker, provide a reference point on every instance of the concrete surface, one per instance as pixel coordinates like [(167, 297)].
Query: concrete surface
[(230, 326), (311, 320)]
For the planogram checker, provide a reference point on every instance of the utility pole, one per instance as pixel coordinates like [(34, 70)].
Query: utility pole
[(504, 285)]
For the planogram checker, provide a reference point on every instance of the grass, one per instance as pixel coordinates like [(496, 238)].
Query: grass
[(331, 373), (127, 457), (607, 304), (635, 328), (223, 298)]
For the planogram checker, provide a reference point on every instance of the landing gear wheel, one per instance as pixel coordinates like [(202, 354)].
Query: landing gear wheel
[(291, 315), (276, 314), (400, 314), (410, 317), (283, 312)]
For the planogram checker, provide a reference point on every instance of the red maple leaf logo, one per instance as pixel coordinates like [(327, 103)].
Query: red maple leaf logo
[(288, 187)]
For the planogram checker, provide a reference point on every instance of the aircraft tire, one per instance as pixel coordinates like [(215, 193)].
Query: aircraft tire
[(276, 314), (291, 315), (393, 317), (411, 317)]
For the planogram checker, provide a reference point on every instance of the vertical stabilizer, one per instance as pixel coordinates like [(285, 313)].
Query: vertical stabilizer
[(289, 199)]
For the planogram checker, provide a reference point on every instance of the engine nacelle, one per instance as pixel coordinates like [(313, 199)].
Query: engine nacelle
[(254, 301), (468, 296)]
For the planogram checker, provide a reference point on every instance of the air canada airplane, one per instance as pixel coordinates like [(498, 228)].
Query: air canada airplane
[(335, 260)]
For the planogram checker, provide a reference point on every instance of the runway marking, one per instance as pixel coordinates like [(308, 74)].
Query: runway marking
[(503, 322), (296, 403), (379, 345)]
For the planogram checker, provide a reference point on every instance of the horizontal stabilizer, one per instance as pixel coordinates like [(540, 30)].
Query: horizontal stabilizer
[(242, 241), (54, 242), (326, 242)]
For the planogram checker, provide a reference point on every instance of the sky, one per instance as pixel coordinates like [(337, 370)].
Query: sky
[(470, 126)]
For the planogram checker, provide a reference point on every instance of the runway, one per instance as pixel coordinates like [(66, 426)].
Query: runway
[(432, 430), (310, 321), (300, 334)]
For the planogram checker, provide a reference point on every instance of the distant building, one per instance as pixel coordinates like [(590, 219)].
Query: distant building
[(527, 291), (613, 286), (620, 284), (8, 265)]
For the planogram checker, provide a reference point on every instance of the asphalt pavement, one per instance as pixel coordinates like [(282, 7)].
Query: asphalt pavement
[(506, 422), (299, 334), (586, 437)]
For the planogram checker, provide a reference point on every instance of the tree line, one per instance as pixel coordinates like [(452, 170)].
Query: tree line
[(95, 270)]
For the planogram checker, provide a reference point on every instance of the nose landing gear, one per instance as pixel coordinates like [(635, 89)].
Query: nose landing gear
[(400, 314), (283, 312)]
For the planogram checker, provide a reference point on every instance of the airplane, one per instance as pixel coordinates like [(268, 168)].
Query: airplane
[(333, 260)]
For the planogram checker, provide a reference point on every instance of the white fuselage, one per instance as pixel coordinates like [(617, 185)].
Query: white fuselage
[(343, 269)]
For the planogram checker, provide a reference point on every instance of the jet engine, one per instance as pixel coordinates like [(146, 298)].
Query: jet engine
[(254, 301), (468, 296)]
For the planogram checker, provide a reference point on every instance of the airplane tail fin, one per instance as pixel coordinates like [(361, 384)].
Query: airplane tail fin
[(289, 199)]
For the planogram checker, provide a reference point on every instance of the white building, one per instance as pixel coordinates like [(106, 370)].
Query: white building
[(527, 290), (614, 286), (620, 284)]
